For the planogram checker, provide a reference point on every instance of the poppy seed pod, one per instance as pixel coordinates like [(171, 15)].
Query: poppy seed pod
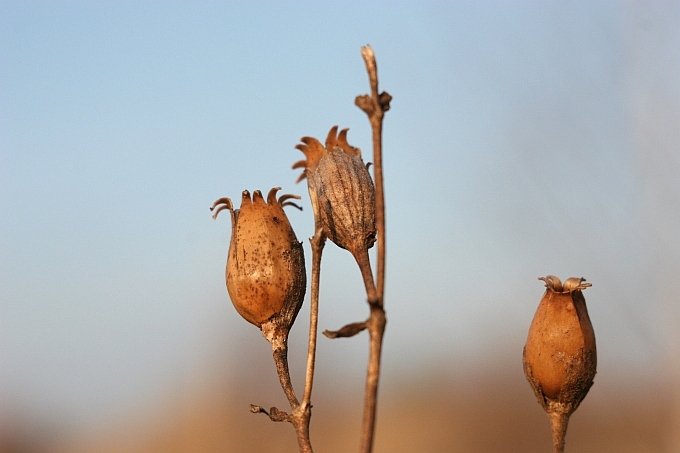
[(341, 191), (560, 357), (265, 274)]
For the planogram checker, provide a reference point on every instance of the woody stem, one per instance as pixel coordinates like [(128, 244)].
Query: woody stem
[(317, 242), (300, 415), (280, 352), (374, 105), (558, 423)]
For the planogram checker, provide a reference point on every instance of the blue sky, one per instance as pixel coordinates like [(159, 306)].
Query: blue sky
[(524, 140)]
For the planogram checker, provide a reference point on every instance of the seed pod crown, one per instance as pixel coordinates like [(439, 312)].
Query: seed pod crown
[(265, 273)]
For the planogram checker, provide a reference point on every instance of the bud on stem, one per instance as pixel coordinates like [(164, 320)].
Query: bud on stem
[(560, 357)]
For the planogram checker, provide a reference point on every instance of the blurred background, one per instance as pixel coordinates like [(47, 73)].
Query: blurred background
[(525, 139)]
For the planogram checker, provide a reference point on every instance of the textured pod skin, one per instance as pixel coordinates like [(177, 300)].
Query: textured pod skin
[(265, 273), (341, 191)]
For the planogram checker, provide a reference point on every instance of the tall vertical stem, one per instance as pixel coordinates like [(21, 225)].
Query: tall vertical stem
[(376, 125), (374, 106)]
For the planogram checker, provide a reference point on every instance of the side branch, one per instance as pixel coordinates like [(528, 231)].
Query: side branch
[(274, 414), (347, 331)]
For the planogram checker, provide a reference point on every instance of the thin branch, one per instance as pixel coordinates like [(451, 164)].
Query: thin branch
[(300, 414), (317, 242), (281, 361), (375, 107)]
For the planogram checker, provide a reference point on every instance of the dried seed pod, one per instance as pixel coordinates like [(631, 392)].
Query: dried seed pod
[(560, 356), (341, 191), (265, 274)]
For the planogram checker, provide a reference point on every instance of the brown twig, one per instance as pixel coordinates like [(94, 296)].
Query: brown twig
[(558, 425), (280, 353), (300, 413), (317, 241), (374, 105)]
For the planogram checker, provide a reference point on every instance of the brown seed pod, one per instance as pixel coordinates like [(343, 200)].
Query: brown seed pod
[(341, 191), (265, 274), (560, 356)]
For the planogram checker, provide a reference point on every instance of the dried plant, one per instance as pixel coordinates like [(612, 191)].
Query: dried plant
[(560, 358), (266, 281), (349, 209), (265, 273)]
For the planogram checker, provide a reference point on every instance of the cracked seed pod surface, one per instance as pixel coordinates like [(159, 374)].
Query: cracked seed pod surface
[(341, 190), (265, 273), (560, 357)]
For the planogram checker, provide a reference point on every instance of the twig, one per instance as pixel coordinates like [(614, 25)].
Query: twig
[(280, 353), (375, 107), (274, 414), (558, 425), (317, 241), (300, 413)]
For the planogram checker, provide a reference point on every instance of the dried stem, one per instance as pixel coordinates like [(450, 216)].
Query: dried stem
[(558, 423), (300, 414), (367, 274), (317, 242), (375, 107), (280, 353)]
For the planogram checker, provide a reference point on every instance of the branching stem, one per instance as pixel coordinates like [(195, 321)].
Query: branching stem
[(300, 415)]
